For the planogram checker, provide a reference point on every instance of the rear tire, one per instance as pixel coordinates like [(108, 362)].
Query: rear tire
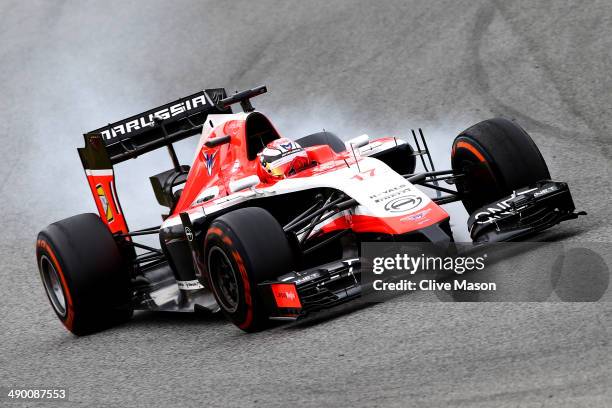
[(244, 248), (497, 157), (84, 274)]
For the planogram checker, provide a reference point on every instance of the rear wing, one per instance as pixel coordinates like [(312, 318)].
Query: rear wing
[(137, 135), (157, 127)]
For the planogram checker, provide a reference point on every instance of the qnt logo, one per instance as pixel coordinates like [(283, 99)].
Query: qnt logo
[(403, 204)]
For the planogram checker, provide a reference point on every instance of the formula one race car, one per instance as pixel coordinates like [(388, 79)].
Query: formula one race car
[(261, 227)]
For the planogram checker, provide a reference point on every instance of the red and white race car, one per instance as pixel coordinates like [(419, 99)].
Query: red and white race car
[(262, 227)]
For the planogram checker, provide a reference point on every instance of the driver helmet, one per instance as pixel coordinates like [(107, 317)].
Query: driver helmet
[(283, 157)]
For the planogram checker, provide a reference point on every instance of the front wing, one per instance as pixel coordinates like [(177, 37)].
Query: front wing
[(526, 211)]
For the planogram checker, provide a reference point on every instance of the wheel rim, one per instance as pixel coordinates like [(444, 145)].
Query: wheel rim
[(53, 285), (224, 280)]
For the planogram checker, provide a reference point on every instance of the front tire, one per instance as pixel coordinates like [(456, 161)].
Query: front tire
[(242, 249), (84, 275), (496, 157)]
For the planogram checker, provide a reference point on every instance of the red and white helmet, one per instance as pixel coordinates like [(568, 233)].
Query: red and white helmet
[(283, 157)]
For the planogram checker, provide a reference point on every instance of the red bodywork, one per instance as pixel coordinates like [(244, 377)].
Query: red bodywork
[(218, 166)]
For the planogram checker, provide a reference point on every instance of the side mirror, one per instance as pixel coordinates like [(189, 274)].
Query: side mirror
[(217, 141), (241, 184), (358, 141)]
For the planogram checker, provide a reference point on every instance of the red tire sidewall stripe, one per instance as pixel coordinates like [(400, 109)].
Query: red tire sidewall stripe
[(68, 321), (472, 149), (248, 300), (247, 291)]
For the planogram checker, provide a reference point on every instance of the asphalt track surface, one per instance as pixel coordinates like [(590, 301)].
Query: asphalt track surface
[(346, 66)]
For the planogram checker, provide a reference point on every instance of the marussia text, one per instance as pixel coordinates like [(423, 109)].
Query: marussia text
[(146, 120), (431, 285)]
